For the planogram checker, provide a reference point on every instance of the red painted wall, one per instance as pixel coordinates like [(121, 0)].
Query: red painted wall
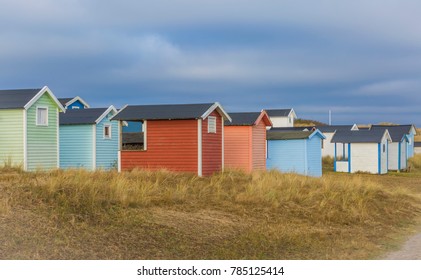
[(245, 147), (212, 146), (237, 147), (171, 144), (259, 146)]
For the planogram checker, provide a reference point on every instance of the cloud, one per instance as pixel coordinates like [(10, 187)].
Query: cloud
[(310, 55), (390, 88)]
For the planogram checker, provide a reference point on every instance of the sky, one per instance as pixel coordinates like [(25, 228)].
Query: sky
[(359, 59)]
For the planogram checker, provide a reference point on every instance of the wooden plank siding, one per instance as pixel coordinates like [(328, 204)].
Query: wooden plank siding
[(259, 146), (42, 141), (11, 136), (237, 147), (212, 146), (76, 146), (171, 144), (107, 148)]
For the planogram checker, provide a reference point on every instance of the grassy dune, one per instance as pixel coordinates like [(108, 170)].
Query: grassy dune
[(77, 214)]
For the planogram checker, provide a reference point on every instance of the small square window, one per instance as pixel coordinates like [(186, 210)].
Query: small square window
[(107, 131), (211, 124), (42, 116)]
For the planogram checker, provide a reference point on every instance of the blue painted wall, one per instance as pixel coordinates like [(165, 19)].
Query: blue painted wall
[(302, 156), (410, 150), (76, 146), (77, 103), (133, 127), (107, 149), (314, 156)]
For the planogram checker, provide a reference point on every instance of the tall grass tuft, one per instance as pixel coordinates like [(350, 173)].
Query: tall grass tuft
[(415, 163)]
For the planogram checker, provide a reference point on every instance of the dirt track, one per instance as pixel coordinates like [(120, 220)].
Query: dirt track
[(411, 250)]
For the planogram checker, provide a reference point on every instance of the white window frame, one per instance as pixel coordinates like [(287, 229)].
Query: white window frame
[(213, 119), (109, 129), (75, 107), (36, 116)]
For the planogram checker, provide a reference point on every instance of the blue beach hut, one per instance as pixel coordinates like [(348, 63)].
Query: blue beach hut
[(73, 103), (295, 151), (89, 139)]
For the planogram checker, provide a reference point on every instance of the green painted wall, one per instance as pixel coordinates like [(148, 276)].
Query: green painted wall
[(42, 140), (11, 136)]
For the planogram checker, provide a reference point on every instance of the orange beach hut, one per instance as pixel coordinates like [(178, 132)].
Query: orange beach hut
[(245, 141)]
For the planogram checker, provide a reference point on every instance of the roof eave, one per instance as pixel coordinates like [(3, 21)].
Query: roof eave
[(265, 118), (218, 107), (39, 94), (106, 112), (76, 99)]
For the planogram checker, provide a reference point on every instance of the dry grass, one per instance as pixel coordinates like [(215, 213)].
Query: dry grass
[(418, 135), (414, 163), (77, 214)]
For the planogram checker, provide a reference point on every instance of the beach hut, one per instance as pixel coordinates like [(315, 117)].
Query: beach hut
[(361, 151), (89, 139), (181, 137), (328, 148), (29, 133), (398, 149), (397, 132), (245, 140), (73, 103), (282, 117), (295, 151)]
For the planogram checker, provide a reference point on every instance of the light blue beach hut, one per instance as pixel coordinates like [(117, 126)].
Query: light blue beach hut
[(89, 139), (295, 151)]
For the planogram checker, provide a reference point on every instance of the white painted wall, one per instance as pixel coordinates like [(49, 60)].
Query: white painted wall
[(282, 121), (364, 157), (341, 166), (328, 147), (383, 156), (417, 150), (393, 156)]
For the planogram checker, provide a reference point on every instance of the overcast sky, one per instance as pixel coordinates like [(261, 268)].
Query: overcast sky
[(360, 59)]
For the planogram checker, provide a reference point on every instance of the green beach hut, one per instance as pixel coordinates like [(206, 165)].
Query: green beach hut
[(29, 130)]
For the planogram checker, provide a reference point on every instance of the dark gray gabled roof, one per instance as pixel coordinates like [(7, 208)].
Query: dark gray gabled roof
[(287, 135), (85, 116), (358, 136), (278, 112), (397, 132), (16, 98), (63, 101), (243, 118), (163, 112)]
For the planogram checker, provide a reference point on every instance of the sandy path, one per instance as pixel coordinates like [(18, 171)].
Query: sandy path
[(410, 251)]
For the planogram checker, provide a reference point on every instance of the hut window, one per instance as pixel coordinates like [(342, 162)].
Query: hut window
[(75, 107), (384, 148), (107, 131), (211, 124), (42, 116)]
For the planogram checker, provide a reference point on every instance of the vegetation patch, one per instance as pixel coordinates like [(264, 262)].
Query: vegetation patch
[(77, 214)]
